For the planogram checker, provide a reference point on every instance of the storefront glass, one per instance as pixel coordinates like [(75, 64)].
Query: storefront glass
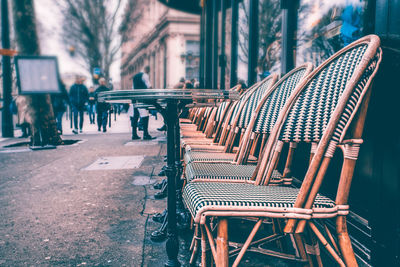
[(243, 40), (326, 26), (270, 37), (192, 59)]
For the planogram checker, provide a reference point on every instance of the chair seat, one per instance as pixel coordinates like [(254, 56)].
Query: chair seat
[(205, 196), (184, 120), (218, 171), (196, 141), (204, 147), (199, 156), (204, 156)]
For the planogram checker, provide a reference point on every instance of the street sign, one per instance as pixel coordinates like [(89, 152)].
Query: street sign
[(8, 52), (37, 74)]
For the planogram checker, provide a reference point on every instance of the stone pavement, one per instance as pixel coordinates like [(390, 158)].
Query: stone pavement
[(58, 212), (87, 204)]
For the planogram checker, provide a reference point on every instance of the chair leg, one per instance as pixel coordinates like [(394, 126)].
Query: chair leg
[(344, 242), (326, 244), (205, 250), (277, 229), (222, 244), (194, 247), (316, 250), (299, 245), (247, 243)]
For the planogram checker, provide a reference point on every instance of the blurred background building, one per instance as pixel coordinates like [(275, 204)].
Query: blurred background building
[(165, 39)]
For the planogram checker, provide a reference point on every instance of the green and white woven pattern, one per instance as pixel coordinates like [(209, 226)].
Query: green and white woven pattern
[(242, 99), (220, 111), (226, 171), (199, 156), (311, 112), (354, 98), (222, 171), (252, 103), (203, 194), (269, 112)]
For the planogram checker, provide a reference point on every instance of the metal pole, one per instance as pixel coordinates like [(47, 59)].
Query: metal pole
[(209, 45), (222, 60), (7, 120), (289, 26), (215, 46), (202, 47), (253, 43), (172, 244), (234, 41)]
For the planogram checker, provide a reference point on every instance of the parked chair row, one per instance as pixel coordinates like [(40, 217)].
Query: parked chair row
[(324, 108)]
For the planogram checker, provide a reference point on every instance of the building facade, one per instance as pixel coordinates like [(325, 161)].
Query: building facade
[(165, 39)]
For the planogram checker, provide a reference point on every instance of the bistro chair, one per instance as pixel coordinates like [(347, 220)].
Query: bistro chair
[(329, 108), (207, 144), (219, 167), (263, 115)]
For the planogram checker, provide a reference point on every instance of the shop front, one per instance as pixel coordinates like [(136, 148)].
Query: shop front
[(247, 40)]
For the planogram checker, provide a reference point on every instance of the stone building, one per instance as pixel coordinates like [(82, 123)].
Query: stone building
[(165, 39)]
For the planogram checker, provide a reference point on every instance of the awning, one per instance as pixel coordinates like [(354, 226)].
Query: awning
[(191, 6)]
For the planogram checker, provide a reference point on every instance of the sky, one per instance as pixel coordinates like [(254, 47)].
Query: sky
[(50, 28)]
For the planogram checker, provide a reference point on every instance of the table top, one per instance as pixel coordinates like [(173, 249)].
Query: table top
[(123, 96)]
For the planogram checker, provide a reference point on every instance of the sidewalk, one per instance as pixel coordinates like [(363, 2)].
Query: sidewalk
[(58, 211), (90, 203)]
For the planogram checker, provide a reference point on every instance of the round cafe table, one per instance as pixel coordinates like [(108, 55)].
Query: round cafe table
[(167, 102)]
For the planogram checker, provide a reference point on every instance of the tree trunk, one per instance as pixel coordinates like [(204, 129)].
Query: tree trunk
[(39, 108)]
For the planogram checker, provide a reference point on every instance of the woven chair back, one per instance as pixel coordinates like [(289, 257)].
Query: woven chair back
[(270, 109), (322, 107), (220, 110), (252, 94), (252, 103)]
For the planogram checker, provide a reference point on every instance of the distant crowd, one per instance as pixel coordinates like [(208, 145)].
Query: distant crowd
[(80, 99)]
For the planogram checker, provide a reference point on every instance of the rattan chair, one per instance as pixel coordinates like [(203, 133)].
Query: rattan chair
[(217, 144), (257, 120), (328, 108)]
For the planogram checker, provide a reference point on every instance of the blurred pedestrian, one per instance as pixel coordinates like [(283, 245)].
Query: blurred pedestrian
[(242, 86), (188, 85), (180, 84), (102, 107), (78, 96), (141, 81), (23, 115), (91, 104), (59, 102)]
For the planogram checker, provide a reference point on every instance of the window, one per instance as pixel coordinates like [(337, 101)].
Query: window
[(325, 27), (192, 59), (243, 40), (228, 36), (269, 37)]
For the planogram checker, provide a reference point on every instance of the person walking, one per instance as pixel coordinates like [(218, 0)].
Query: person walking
[(78, 96), (24, 120), (59, 102), (102, 107), (141, 81), (91, 104)]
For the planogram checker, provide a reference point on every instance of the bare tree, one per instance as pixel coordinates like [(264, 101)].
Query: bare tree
[(269, 22), (38, 108), (92, 28), (270, 34)]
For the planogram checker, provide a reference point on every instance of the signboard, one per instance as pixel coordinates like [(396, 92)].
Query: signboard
[(37, 74)]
